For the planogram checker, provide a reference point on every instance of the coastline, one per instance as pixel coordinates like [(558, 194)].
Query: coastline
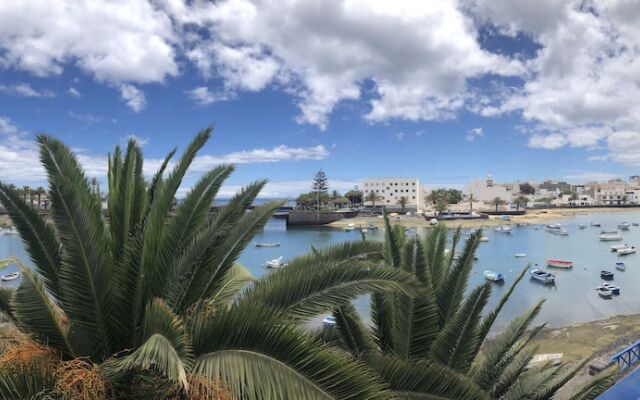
[(533, 216)]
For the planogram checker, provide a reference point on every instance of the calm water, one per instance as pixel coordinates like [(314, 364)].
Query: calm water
[(572, 299)]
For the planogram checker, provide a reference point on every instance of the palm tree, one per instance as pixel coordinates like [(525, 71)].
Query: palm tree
[(156, 303), (403, 200), (497, 202), (372, 197), (471, 200), (521, 201), (40, 191), (428, 346), (26, 192)]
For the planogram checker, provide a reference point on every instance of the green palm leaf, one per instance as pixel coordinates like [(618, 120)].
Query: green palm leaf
[(156, 181), (455, 346), (6, 303), (233, 281), (340, 253), (85, 272), (36, 314), (352, 332), (38, 236), (435, 245), (529, 383), (593, 388), (424, 380), (268, 357), (302, 293)]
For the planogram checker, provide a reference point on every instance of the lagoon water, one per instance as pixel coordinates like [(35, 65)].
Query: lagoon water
[(572, 299)]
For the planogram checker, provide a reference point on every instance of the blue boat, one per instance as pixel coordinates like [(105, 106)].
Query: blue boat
[(620, 266)]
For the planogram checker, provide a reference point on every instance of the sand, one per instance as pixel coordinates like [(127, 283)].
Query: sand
[(531, 217)]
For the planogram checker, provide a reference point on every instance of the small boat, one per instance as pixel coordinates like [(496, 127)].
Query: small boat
[(505, 217), (607, 231), (559, 264), (275, 263), (542, 276), (504, 229), (603, 292), (617, 247), (493, 276), (582, 226), (595, 224), (557, 229), (268, 244), (610, 237), (615, 289), (484, 239), (364, 230), (627, 250), (620, 266), (329, 321), (520, 255), (623, 226), (349, 228), (608, 275), (10, 277), (635, 224)]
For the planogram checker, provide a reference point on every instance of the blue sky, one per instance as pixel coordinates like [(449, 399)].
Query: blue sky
[(447, 92)]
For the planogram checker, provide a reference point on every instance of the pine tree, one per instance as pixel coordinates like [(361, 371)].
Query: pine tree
[(320, 186)]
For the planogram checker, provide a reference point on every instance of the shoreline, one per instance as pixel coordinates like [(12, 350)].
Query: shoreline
[(532, 217)]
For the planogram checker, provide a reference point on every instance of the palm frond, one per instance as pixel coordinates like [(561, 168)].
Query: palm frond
[(435, 245), (529, 383), (38, 236), (455, 239), (354, 335), (393, 241), (553, 385), (487, 371), (423, 380), (29, 379), (512, 371), (455, 346), (450, 293), (593, 388), (233, 281), (340, 253), (36, 314), (382, 320), (303, 293), (86, 269), (156, 181), (268, 357), (6, 302)]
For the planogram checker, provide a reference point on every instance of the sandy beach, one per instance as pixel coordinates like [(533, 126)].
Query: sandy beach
[(531, 217)]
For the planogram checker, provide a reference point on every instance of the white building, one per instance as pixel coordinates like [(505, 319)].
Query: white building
[(390, 190), (486, 190)]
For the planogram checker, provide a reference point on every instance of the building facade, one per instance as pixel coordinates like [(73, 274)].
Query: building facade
[(390, 190), (486, 190)]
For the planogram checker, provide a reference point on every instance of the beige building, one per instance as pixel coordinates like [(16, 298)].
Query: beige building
[(390, 190), (486, 190)]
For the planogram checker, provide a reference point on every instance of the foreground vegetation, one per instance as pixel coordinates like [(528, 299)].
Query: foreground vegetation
[(152, 304)]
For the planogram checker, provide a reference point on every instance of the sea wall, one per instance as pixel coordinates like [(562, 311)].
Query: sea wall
[(298, 218)]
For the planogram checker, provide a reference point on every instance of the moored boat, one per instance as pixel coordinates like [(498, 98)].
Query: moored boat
[(559, 264), (620, 266), (606, 231), (615, 289), (582, 226), (10, 277), (275, 263), (617, 247), (610, 237), (484, 239), (635, 224), (520, 255), (493, 276), (626, 251), (268, 244), (623, 226), (542, 276), (504, 229), (329, 321), (608, 275), (604, 292), (595, 224)]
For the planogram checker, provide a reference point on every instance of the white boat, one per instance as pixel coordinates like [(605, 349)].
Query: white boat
[(603, 292), (11, 231), (349, 228), (329, 321), (493, 276), (627, 250), (557, 229), (10, 277), (484, 239), (520, 255), (504, 229), (617, 247), (364, 230), (620, 266), (275, 263), (268, 244), (610, 237), (613, 288), (542, 276), (623, 226)]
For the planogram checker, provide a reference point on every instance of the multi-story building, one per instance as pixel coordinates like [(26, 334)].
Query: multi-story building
[(486, 190), (390, 190)]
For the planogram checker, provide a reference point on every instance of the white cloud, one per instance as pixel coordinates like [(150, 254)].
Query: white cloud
[(142, 141), (25, 90), (473, 134), (203, 96), (87, 118), (589, 176), (398, 135), (133, 96), (288, 189), (73, 92), (276, 154)]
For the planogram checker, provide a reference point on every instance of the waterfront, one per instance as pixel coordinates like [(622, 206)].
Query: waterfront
[(572, 300)]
